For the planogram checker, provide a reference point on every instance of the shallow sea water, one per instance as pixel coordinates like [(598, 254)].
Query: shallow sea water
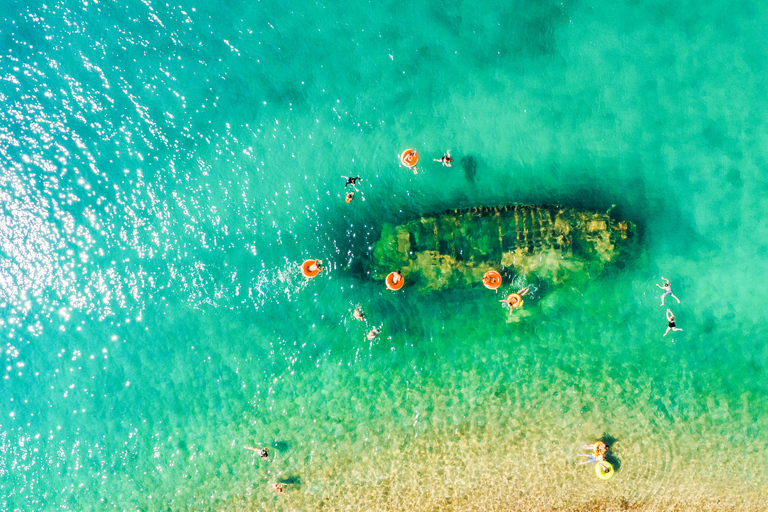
[(164, 169)]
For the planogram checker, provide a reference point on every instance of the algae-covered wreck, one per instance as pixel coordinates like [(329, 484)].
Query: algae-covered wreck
[(456, 247)]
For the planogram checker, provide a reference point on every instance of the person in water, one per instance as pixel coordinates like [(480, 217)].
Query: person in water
[(591, 458), (599, 448), (358, 315), (372, 334), (446, 160), (397, 277), (349, 197), (263, 452), (315, 266), (279, 488), (513, 301), (351, 181), (671, 325), (667, 291)]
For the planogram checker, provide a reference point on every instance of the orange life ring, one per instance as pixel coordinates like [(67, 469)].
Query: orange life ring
[(310, 273), (390, 280), (492, 280), (515, 300), (409, 158)]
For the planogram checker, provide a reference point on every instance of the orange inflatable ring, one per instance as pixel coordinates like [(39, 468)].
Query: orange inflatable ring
[(310, 273), (391, 281), (492, 280), (515, 301), (409, 158)]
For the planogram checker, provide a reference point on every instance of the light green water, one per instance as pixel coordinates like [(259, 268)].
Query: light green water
[(165, 169)]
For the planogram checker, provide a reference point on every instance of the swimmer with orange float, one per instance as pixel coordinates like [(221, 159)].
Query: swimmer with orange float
[(409, 158), (349, 197), (515, 300), (394, 281), (492, 280), (310, 268), (446, 160)]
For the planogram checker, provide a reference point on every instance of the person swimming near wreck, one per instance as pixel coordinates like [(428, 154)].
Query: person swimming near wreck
[(515, 300), (599, 449), (671, 323), (263, 452), (667, 291), (351, 181), (446, 160)]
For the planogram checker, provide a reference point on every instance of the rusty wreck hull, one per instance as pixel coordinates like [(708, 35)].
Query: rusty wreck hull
[(456, 247)]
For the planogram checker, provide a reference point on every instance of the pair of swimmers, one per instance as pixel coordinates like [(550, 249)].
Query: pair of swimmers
[(671, 326), (264, 454), (374, 332)]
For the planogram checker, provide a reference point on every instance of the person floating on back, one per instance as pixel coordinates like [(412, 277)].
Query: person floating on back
[(351, 181), (446, 160), (667, 291), (671, 325)]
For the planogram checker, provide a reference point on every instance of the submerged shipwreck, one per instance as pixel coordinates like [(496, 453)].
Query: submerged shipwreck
[(457, 247)]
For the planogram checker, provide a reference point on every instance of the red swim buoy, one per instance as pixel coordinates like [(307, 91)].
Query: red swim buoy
[(409, 158), (492, 280), (390, 281), (307, 271)]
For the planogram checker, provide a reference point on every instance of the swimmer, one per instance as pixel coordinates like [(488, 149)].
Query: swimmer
[(279, 489), (446, 160), (667, 291), (351, 181), (598, 448), (397, 277), (671, 325), (358, 314), (349, 197), (315, 265), (592, 458), (372, 334), (603, 468), (263, 452), (513, 301)]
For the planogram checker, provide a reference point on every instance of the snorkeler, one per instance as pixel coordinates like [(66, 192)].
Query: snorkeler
[(349, 197), (446, 160), (351, 181), (671, 325), (372, 334), (263, 452), (358, 314), (667, 291)]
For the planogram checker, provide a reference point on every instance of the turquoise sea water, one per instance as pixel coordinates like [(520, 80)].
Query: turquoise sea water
[(164, 169)]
